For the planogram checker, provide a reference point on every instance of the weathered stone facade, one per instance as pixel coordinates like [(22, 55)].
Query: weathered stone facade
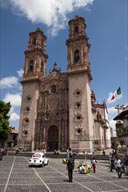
[(59, 109)]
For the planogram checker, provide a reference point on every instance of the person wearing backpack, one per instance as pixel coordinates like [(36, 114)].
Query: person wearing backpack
[(70, 167)]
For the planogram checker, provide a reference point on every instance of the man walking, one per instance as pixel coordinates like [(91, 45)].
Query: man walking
[(70, 167)]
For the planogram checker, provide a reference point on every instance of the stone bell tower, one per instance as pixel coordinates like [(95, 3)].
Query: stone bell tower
[(34, 68), (35, 55), (79, 74)]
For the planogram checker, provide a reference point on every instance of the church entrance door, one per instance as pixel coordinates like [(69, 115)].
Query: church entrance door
[(53, 138)]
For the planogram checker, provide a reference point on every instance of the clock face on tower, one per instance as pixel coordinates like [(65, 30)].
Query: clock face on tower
[(54, 73)]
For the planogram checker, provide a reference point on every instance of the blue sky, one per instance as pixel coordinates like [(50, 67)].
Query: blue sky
[(107, 29)]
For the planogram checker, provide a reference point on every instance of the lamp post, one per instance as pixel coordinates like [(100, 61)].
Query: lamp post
[(119, 107)]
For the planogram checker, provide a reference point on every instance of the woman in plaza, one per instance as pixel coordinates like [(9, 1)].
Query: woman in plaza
[(94, 164)]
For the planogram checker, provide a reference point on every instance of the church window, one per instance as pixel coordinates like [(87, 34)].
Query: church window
[(25, 132), (78, 105), (76, 29), (26, 120), (34, 41), (28, 98), (41, 68), (79, 130), (31, 66), (76, 56), (27, 109), (77, 93), (53, 89), (78, 117)]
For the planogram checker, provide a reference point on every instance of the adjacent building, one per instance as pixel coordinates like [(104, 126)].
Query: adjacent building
[(12, 139), (122, 126), (59, 109)]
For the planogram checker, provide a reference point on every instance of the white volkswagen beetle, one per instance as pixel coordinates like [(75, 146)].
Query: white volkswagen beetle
[(38, 159)]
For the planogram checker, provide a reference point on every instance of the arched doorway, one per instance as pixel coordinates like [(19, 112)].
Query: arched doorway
[(53, 138)]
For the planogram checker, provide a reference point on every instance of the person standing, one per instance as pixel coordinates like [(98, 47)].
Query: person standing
[(69, 152), (70, 167), (118, 165), (103, 152), (112, 160), (94, 164)]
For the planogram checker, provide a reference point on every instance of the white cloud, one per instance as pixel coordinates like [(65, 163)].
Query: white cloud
[(14, 99), (82, 3), (8, 82), (112, 124), (112, 110), (20, 72), (52, 13), (14, 117)]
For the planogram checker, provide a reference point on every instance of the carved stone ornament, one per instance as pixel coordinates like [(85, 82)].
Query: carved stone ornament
[(52, 103)]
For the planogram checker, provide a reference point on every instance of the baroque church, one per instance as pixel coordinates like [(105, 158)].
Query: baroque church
[(59, 109)]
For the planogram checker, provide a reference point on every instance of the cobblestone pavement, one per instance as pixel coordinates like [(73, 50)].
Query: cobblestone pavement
[(16, 176)]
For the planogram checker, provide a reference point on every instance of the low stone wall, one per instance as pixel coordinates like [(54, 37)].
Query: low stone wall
[(61, 155)]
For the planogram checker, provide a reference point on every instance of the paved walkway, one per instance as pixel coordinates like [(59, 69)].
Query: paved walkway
[(16, 176)]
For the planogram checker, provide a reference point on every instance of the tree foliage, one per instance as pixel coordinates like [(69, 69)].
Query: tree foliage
[(4, 121)]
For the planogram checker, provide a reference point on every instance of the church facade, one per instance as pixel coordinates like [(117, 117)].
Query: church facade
[(59, 109)]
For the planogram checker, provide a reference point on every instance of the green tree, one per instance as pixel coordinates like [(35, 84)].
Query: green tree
[(5, 130)]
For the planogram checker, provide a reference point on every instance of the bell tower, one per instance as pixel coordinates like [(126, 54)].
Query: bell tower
[(34, 69), (79, 75), (78, 46), (35, 55)]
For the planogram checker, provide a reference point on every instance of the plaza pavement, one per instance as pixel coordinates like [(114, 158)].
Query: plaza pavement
[(16, 176)]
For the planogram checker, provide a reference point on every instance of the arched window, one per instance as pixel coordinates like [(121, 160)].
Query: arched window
[(76, 56), (41, 68), (34, 41), (76, 29), (31, 66)]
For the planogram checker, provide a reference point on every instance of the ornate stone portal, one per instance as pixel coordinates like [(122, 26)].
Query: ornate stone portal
[(58, 109)]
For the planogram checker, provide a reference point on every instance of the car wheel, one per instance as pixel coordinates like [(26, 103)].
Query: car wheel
[(42, 165)]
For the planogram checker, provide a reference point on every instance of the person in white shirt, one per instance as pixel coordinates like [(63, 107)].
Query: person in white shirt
[(118, 166)]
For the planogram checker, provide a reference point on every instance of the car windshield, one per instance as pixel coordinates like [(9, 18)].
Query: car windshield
[(36, 155)]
